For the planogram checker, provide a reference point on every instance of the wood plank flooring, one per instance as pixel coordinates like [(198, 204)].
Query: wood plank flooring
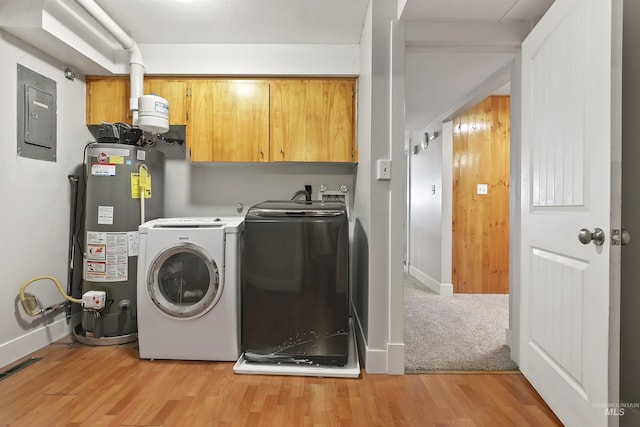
[(80, 385)]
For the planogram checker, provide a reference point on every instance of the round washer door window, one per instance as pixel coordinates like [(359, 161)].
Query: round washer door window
[(184, 282)]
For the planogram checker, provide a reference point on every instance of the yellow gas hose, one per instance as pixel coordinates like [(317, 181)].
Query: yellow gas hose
[(30, 304)]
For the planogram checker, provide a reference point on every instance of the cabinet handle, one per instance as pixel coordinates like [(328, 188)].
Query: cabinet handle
[(261, 152), (281, 151)]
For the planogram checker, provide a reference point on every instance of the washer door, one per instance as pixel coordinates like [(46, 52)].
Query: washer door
[(184, 282)]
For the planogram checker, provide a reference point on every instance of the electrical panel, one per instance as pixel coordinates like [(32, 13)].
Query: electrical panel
[(37, 115)]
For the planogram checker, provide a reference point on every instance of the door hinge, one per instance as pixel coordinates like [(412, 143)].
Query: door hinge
[(187, 113)]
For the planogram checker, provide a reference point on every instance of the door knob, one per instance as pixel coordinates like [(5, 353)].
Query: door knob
[(596, 236), (625, 237)]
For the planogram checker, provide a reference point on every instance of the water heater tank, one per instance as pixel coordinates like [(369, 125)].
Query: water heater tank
[(112, 214)]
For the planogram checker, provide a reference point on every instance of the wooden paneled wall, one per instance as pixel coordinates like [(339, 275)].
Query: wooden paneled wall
[(480, 258)]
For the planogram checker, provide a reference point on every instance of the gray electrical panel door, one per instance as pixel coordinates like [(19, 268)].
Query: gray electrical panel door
[(37, 115)]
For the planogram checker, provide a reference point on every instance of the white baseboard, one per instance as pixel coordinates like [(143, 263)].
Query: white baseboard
[(33, 341), (395, 358), (444, 289), (376, 361), (373, 361)]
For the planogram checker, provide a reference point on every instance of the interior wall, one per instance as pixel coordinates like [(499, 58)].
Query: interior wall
[(362, 208), (515, 199), (382, 13), (372, 206), (35, 208), (426, 208), (630, 279), (216, 189), (397, 206), (480, 256), (251, 59), (460, 69), (446, 243)]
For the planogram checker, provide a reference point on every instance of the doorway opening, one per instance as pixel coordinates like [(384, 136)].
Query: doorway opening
[(462, 325)]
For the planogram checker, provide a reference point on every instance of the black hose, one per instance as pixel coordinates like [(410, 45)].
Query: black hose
[(73, 180), (299, 193)]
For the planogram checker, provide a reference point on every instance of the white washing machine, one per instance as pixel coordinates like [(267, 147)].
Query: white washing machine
[(188, 289)]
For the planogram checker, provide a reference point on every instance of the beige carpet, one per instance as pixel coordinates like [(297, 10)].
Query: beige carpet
[(463, 332)]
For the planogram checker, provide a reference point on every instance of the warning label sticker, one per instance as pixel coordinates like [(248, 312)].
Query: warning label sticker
[(106, 257), (139, 182), (96, 252), (97, 267), (103, 169)]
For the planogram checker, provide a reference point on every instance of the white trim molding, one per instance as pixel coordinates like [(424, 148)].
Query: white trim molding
[(33, 341), (443, 289)]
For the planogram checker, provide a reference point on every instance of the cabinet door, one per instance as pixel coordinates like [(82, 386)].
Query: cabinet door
[(175, 92), (312, 120), (107, 100), (229, 121)]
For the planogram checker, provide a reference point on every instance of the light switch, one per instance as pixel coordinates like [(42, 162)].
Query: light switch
[(483, 189), (384, 170)]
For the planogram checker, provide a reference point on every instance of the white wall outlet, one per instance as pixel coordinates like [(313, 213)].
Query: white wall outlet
[(384, 170), (483, 189)]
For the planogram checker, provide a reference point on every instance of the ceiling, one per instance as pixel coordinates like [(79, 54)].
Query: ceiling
[(436, 79), (483, 10), (239, 21)]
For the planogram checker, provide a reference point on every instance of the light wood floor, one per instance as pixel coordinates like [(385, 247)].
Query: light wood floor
[(80, 385)]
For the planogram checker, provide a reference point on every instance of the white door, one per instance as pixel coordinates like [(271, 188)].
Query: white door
[(570, 125)]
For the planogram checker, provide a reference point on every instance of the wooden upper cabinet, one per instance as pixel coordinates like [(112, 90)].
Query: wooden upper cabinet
[(312, 120), (244, 120), (175, 92), (229, 121), (107, 100)]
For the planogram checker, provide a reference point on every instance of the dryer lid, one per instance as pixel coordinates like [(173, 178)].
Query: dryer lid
[(293, 208)]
